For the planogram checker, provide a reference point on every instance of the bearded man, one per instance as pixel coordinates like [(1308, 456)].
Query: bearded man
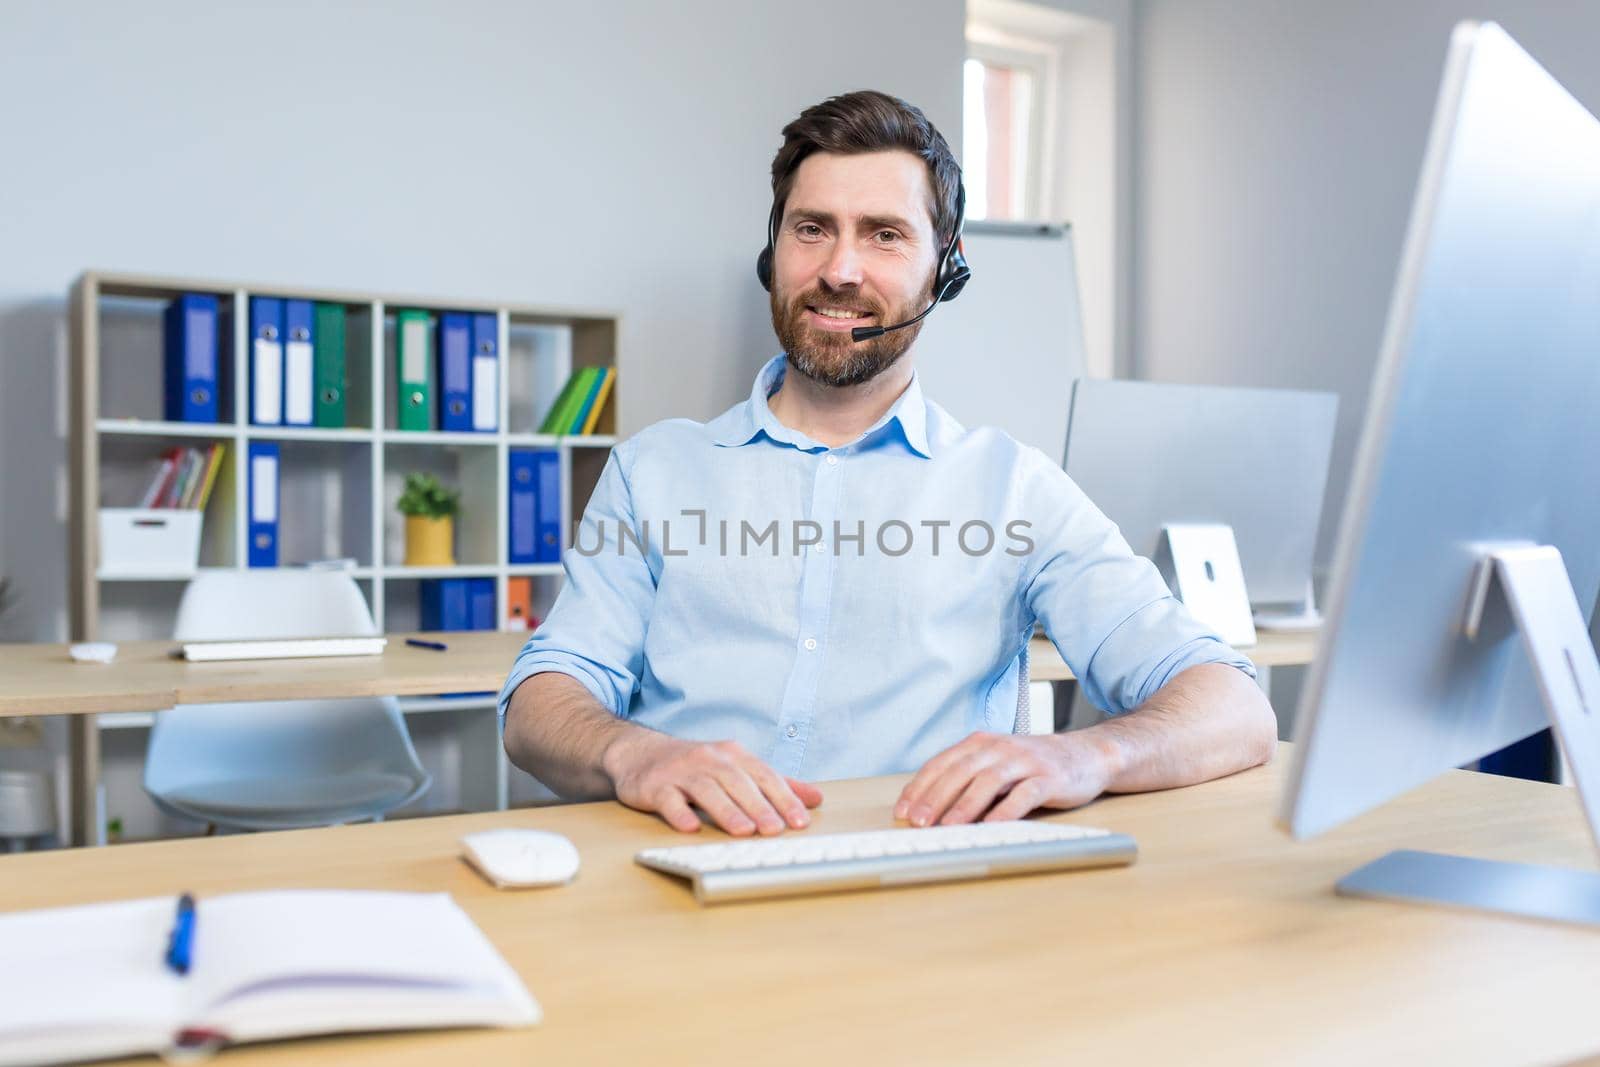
[(836, 579)]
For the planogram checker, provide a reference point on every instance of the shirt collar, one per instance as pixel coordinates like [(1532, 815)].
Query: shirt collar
[(742, 424)]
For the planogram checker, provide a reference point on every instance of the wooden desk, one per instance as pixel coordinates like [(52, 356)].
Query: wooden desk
[(44, 680), (1223, 944)]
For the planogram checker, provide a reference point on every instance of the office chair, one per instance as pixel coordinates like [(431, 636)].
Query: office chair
[(280, 764)]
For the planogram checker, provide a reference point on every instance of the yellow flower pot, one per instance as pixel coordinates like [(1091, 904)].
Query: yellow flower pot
[(430, 541)]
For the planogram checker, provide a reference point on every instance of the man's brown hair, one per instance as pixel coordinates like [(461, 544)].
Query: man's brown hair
[(870, 121)]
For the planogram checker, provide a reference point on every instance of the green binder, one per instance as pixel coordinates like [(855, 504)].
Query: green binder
[(590, 396), (413, 367), (560, 414), (573, 410), (329, 360)]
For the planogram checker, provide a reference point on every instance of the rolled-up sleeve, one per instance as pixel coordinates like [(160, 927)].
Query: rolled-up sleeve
[(595, 632), (1107, 610)]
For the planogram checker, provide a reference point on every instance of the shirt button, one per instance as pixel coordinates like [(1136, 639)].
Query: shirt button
[(792, 730), (818, 548), (832, 458), (811, 644)]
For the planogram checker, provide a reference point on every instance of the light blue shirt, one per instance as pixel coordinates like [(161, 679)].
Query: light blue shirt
[(842, 612)]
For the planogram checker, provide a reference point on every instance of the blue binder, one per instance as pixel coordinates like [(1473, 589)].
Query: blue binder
[(485, 373), (266, 361), (299, 378), (444, 604), (263, 504), (549, 463), (523, 542), (455, 372), (480, 597), (190, 336)]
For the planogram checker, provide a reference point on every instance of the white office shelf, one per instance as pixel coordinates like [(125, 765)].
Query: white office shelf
[(339, 485), (306, 433), (133, 576), (358, 573), (534, 440), (439, 437), (159, 428), (534, 570), (460, 570)]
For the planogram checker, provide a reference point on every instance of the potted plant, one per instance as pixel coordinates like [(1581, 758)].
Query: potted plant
[(430, 511)]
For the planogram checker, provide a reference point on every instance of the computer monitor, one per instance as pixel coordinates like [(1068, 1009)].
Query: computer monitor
[(1483, 432), (1150, 455)]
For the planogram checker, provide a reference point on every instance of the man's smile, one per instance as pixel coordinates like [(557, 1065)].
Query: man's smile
[(833, 317)]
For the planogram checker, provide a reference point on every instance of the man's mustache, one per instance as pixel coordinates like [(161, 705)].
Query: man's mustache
[(819, 296)]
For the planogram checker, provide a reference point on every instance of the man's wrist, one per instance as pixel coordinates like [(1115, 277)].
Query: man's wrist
[(1104, 750), (621, 749)]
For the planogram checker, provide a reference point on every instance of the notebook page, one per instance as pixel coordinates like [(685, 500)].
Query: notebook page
[(87, 981), (275, 963)]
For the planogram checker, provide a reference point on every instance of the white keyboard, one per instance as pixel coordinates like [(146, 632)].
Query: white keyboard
[(820, 863), (291, 648)]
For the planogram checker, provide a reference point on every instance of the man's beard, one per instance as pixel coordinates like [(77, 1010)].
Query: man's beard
[(834, 358)]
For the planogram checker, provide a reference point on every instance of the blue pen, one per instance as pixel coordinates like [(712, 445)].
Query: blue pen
[(180, 946), (417, 642)]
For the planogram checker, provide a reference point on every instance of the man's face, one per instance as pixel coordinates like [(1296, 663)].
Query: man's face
[(856, 247)]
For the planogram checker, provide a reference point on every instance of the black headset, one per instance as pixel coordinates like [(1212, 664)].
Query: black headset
[(947, 285)]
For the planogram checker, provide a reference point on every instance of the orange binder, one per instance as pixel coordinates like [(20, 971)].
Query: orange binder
[(519, 604)]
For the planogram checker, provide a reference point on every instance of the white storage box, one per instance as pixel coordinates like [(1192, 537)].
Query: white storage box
[(149, 542)]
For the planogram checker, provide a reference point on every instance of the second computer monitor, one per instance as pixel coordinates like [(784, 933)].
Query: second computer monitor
[(1150, 454)]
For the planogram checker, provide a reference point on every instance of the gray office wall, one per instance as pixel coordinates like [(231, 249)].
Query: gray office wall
[(1278, 145), (611, 154)]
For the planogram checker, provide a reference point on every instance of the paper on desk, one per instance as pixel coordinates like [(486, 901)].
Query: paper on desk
[(91, 981)]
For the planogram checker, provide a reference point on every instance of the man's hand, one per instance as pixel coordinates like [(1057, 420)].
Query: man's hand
[(654, 772), (1022, 772)]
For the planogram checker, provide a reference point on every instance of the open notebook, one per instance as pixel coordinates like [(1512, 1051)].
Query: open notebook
[(91, 982)]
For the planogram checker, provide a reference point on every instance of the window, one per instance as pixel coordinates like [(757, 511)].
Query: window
[(1006, 93), (1044, 128)]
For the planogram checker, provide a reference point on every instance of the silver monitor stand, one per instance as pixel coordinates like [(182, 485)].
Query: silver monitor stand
[(1525, 588)]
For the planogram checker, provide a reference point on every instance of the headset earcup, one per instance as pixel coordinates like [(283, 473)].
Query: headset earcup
[(764, 268), (955, 275), (956, 282)]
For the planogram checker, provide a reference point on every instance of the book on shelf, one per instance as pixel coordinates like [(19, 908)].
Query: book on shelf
[(519, 605), (413, 370), (191, 364), (534, 506), (328, 341), (578, 406), (184, 478), (456, 603)]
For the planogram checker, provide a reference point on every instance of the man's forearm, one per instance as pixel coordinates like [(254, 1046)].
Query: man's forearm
[(558, 732), (1209, 721)]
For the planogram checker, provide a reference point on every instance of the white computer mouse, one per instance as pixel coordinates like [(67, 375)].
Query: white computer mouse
[(514, 858)]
